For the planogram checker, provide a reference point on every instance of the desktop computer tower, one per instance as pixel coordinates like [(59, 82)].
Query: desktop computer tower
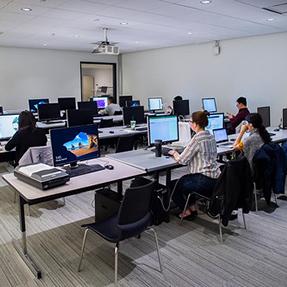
[(107, 203)]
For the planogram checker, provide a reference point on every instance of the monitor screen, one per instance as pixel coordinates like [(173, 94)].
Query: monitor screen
[(220, 135), (284, 119), (265, 114), (155, 104), (135, 103), (88, 106), (181, 107), (125, 101), (34, 103), (70, 145), (47, 112), (163, 128), (209, 104), (215, 121), (133, 114), (102, 102), (8, 126), (80, 117), (67, 103)]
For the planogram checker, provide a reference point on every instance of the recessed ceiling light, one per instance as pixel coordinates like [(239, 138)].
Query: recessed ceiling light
[(270, 19), (137, 42), (26, 9), (189, 33), (76, 36), (124, 23), (205, 1), (45, 44)]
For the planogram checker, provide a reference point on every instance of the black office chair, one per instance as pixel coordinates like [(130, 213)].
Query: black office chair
[(133, 218), (117, 113), (125, 143), (233, 190), (106, 123)]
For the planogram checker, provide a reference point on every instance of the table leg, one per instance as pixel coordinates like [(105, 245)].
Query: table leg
[(24, 251), (120, 187)]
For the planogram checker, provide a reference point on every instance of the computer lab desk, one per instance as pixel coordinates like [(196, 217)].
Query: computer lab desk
[(31, 195), (121, 131)]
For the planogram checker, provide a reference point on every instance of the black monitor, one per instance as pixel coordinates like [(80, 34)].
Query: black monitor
[(67, 103), (215, 121), (135, 103), (209, 105), (155, 104), (265, 114), (181, 108), (73, 144), (8, 125), (34, 103), (48, 112), (80, 117), (88, 106), (104, 89), (284, 119), (125, 101), (1, 110), (133, 114), (163, 128)]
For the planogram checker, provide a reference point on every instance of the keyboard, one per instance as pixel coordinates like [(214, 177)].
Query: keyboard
[(165, 150), (226, 143), (141, 129), (83, 169), (54, 122)]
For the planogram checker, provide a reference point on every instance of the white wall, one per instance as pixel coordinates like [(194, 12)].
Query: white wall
[(41, 73), (254, 67)]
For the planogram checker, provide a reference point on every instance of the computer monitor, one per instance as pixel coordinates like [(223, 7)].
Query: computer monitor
[(88, 106), (284, 119), (104, 89), (163, 128), (209, 104), (73, 144), (34, 103), (125, 101), (67, 103), (8, 125), (135, 103), (48, 112), (80, 117), (1, 110), (133, 114), (102, 102), (220, 135), (154, 104), (181, 108), (265, 114), (215, 121)]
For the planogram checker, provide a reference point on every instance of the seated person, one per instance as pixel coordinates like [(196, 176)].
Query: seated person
[(235, 120), (27, 136), (111, 108), (200, 154), (169, 109), (258, 136)]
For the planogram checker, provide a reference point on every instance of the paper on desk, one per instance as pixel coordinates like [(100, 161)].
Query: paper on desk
[(30, 169)]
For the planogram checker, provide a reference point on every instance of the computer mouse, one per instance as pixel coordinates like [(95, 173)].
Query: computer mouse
[(111, 132), (276, 130), (109, 166)]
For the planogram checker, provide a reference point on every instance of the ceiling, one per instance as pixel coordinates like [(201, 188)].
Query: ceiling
[(75, 24)]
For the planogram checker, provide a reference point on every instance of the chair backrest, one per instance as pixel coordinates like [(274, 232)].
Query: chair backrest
[(136, 205), (117, 113), (125, 144), (106, 123)]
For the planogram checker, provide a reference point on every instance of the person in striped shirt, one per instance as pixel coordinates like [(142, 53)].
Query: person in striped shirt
[(200, 155)]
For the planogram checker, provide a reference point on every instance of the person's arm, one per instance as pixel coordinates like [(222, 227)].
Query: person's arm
[(230, 116), (187, 154), (238, 144), (13, 142), (236, 120)]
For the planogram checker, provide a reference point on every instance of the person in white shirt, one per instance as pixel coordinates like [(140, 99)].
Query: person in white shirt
[(111, 108)]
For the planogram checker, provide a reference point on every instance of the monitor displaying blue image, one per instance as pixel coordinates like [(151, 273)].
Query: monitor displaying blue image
[(209, 104), (102, 102), (8, 126), (163, 128), (135, 103), (70, 145), (34, 104), (215, 121)]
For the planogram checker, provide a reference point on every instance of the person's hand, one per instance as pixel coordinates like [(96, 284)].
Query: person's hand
[(172, 152), (230, 116)]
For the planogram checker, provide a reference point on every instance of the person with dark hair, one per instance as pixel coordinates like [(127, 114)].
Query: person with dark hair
[(235, 120), (200, 154), (111, 108), (169, 109), (27, 135), (258, 136)]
